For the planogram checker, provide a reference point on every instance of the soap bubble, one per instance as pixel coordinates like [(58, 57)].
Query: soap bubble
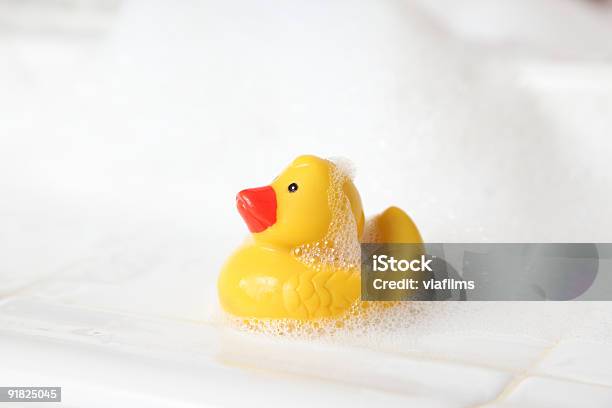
[(363, 321), (339, 248)]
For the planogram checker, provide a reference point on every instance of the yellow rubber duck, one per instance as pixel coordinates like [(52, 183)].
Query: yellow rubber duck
[(302, 260)]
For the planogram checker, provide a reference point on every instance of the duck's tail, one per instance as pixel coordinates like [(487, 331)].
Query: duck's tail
[(392, 226)]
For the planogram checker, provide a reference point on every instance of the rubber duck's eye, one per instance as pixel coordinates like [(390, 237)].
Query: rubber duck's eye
[(292, 187)]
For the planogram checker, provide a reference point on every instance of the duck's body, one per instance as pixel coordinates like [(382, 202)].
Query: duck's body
[(302, 261), (265, 282)]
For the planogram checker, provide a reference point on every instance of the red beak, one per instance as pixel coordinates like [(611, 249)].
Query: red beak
[(258, 207)]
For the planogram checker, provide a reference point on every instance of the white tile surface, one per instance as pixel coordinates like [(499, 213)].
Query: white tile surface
[(503, 352), (541, 392), (391, 372), (97, 376), (209, 349), (579, 360)]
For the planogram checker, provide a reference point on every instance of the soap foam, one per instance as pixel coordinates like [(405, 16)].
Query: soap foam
[(370, 230), (340, 247), (363, 321)]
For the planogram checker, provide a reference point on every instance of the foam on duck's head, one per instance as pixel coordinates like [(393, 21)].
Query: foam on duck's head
[(312, 202)]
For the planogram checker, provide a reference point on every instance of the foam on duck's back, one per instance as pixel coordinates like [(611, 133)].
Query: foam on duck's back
[(340, 247)]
